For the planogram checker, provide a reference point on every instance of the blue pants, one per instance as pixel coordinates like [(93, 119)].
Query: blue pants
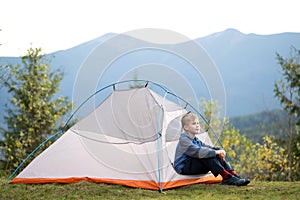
[(202, 166)]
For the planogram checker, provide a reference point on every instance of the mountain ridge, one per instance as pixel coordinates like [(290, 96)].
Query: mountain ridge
[(246, 62)]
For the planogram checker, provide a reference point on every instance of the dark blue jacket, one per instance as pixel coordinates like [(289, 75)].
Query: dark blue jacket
[(191, 147)]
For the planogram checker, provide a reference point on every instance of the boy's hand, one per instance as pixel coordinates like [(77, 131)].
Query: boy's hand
[(221, 154)]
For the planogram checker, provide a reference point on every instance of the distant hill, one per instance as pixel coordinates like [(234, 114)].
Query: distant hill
[(256, 126), (246, 62)]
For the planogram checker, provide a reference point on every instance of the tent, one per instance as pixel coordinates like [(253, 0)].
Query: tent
[(129, 139)]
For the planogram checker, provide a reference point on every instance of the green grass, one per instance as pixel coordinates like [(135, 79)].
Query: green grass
[(87, 190)]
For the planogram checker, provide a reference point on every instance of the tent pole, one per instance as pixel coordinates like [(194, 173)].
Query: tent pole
[(159, 141), (29, 156)]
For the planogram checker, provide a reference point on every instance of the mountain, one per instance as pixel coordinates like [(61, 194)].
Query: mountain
[(246, 62)]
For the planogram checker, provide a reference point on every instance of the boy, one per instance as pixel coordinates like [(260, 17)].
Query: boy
[(194, 157)]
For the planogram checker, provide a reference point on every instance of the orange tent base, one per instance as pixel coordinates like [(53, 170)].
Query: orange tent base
[(153, 185)]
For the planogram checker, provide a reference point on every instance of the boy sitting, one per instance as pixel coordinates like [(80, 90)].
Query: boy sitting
[(194, 157)]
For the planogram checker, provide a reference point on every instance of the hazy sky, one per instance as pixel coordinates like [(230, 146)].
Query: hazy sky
[(60, 24)]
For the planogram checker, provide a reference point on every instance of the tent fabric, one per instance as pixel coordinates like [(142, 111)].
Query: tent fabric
[(126, 140)]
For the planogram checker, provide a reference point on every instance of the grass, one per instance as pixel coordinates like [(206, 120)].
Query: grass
[(87, 190)]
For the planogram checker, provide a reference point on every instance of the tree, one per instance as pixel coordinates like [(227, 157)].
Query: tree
[(136, 83), (270, 161), (211, 111), (34, 109), (287, 90)]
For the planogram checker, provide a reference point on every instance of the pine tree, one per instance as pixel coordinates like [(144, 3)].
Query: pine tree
[(287, 90), (34, 110)]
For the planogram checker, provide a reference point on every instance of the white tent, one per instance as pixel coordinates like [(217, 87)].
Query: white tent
[(129, 139)]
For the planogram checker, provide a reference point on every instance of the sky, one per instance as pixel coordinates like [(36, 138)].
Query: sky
[(61, 24)]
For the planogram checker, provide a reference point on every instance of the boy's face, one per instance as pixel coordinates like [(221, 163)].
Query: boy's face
[(192, 127)]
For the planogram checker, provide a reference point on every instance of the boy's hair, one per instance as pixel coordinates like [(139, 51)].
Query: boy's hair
[(188, 118)]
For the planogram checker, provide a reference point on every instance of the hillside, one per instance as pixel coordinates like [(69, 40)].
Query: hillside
[(248, 65), (256, 126)]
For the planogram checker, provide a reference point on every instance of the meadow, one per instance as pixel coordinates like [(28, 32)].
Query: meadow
[(87, 190)]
